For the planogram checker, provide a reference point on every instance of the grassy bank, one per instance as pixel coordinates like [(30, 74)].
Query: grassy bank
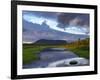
[(82, 51), (30, 52), (81, 48)]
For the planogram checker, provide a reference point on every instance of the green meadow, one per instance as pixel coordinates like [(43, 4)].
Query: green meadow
[(31, 51), (81, 48)]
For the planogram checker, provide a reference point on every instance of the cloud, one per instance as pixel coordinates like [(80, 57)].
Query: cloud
[(75, 22), (73, 19), (42, 14)]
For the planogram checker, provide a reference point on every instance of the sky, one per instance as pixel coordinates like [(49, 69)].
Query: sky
[(34, 22)]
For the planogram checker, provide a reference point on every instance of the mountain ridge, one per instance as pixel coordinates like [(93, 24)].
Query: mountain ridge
[(50, 42)]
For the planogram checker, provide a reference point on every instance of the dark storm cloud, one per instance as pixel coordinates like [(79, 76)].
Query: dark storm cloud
[(63, 19), (75, 19)]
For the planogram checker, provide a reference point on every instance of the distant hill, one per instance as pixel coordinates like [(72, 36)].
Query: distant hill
[(50, 42)]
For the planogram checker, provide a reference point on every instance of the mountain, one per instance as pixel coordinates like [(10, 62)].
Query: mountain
[(50, 42)]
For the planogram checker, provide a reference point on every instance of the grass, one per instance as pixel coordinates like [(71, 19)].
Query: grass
[(30, 51), (81, 48), (82, 51), (28, 55)]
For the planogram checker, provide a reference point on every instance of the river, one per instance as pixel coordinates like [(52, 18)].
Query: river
[(48, 56)]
